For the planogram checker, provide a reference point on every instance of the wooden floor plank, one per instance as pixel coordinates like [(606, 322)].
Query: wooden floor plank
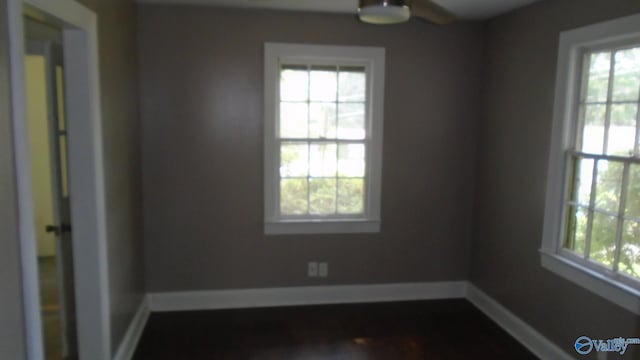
[(442, 329)]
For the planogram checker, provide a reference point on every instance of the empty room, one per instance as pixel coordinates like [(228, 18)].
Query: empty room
[(319, 179)]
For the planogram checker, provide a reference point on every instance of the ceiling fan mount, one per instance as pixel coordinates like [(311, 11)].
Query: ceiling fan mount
[(398, 11)]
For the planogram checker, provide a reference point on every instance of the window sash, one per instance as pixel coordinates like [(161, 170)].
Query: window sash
[(337, 177), (586, 258), (338, 67), (583, 101)]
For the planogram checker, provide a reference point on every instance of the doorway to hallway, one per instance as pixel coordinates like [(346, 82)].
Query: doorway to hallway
[(44, 75)]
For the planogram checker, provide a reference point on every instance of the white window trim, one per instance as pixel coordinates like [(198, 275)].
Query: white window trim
[(553, 257), (374, 60)]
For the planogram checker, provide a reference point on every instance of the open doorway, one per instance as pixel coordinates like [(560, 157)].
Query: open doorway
[(82, 132), (44, 75)]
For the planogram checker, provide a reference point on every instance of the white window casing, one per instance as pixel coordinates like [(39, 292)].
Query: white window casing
[(554, 257), (372, 59)]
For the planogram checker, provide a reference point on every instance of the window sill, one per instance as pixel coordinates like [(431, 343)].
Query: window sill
[(322, 227), (616, 292)]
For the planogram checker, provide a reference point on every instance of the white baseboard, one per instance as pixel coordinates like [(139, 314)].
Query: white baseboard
[(309, 295), (134, 332), (521, 331), (343, 294)]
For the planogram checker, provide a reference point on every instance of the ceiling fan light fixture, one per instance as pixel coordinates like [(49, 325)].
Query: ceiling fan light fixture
[(384, 11)]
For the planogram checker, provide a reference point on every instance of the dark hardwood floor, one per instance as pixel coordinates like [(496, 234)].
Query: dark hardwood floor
[(451, 329)]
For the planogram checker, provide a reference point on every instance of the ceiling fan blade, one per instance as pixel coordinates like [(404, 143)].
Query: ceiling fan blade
[(432, 12)]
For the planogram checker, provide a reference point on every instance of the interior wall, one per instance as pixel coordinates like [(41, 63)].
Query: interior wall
[(121, 139), (39, 149), (12, 339), (519, 83), (201, 74)]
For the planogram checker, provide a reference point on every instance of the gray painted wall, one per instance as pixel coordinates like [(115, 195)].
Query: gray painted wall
[(519, 81), (201, 97), (121, 137), (12, 341)]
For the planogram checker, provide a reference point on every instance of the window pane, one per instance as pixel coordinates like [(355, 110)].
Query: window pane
[(630, 252), (293, 120), (577, 231), (633, 193), (608, 185), (593, 132), (324, 83), (322, 121), (323, 160), (603, 238), (322, 196), (294, 83), (598, 81), (622, 131), (626, 82), (294, 159), (350, 196), (583, 179), (351, 160), (352, 84), (351, 121), (293, 196)]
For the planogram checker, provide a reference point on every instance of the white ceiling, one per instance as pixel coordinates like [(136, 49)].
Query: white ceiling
[(481, 9), (466, 9)]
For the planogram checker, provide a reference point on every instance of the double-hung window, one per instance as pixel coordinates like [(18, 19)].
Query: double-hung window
[(592, 219), (323, 138)]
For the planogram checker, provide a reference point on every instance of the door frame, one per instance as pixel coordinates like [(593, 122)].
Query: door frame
[(86, 173)]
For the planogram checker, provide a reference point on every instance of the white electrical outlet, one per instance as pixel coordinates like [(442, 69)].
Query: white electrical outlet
[(323, 269), (312, 269)]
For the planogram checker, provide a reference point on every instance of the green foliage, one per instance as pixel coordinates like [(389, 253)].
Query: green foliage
[(608, 186), (577, 234), (603, 238), (605, 227), (293, 196), (323, 196), (350, 196), (630, 252)]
